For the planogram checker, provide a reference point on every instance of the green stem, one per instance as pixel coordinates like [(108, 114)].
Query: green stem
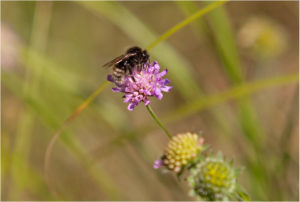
[(158, 121), (185, 22)]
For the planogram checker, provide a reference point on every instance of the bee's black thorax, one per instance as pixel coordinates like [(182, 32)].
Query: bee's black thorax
[(134, 57)]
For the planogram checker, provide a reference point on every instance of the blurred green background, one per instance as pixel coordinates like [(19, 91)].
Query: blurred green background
[(235, 78)]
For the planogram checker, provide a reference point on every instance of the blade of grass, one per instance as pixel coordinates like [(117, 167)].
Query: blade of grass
[(48, 118), (32, 182), (220, 125), (69, 86), (226, 48), (188, 8), (63, 126), (286, 159), (251, 125), (187, 21), (227, 56), (225, 44), (39, 35), (55, 73), (237, 92)]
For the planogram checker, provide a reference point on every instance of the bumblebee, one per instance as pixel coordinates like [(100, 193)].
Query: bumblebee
[(123, 65)]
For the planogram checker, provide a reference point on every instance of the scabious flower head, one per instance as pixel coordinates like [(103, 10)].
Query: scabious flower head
[(264, 38), (142, 85), (213, 179), (181, 150)]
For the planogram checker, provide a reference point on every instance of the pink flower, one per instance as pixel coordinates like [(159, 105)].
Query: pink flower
[(142, 85), (158, 163)]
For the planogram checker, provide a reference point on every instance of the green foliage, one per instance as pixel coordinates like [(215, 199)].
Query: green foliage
[(44, 88), (213, 179)]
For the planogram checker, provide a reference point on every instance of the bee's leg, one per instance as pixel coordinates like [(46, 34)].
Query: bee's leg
[(132, 77), (130, 72), (139, 67)]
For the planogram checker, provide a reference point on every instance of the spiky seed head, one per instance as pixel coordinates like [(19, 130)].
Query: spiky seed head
[(213, 179)]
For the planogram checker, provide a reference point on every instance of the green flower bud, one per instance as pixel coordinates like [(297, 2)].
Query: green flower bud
[(213, 179)]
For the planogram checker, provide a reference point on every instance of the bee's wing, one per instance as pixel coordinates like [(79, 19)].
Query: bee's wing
[(118, 59)]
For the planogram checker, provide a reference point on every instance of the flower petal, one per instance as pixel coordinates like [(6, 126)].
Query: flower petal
[(158, 93), (131, 106), (158, 163), (150, 68), (166, 88), (162, 74), (156, 67), (128, 98), (116, 89), (164, 81), (110, 78), (146, 101), (147, 92)]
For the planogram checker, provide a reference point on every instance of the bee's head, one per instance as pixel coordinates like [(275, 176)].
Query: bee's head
[(142, 55), (145, 56), (134, 49)]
